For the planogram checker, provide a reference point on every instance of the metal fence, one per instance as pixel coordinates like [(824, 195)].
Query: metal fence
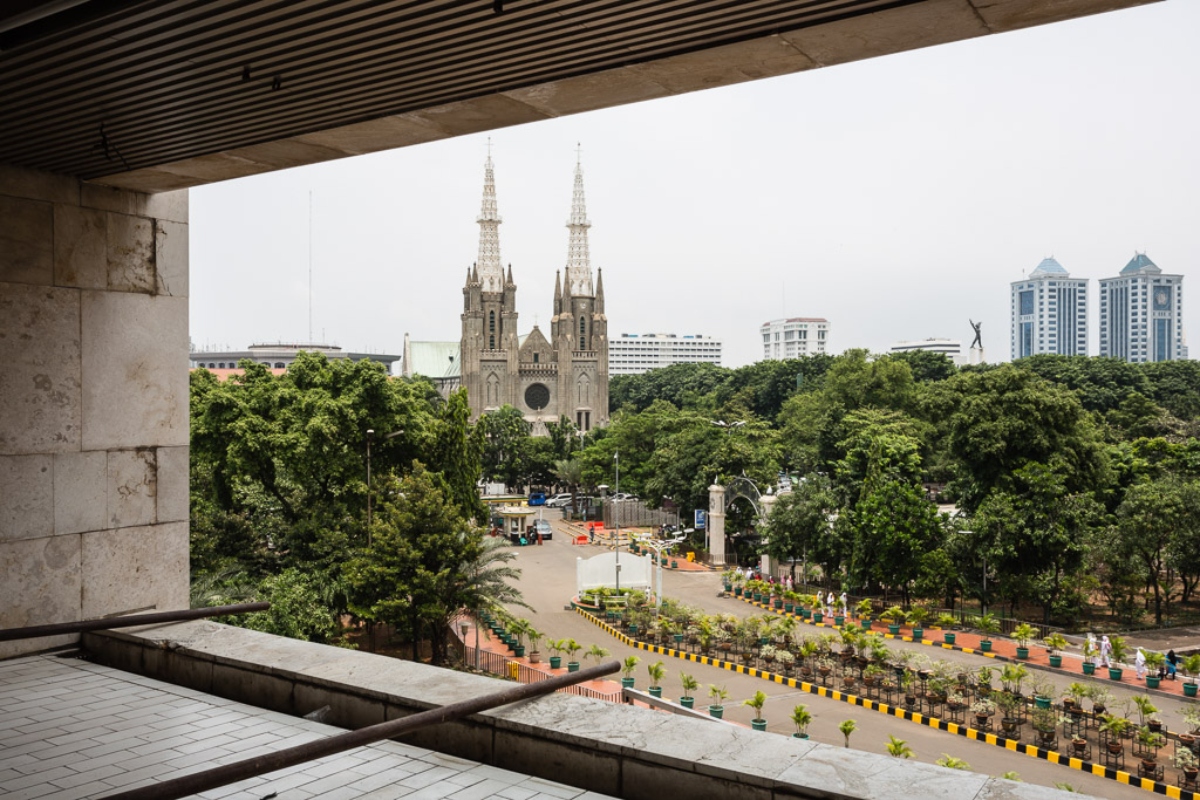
[(497, 664), (634, 513)]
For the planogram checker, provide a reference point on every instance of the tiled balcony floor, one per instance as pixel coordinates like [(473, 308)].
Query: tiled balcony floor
[(72, 729)]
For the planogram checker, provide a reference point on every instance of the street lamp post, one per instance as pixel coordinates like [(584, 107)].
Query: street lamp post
[(659, 547), (370, 492), (617, 517)]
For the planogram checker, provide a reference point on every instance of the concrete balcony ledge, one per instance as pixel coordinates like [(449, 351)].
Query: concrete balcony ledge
[(612, 749)]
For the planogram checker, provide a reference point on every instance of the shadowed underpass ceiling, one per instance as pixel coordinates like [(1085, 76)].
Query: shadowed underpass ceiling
[(156, 96)]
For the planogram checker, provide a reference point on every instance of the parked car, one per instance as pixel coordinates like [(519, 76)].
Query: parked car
[(559, 500), (543, 527), (537, 498)]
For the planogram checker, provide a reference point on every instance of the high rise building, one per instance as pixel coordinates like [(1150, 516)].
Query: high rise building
[(1141, 313), (633, 354), (795, 337), (1049, 312), (565, 375)]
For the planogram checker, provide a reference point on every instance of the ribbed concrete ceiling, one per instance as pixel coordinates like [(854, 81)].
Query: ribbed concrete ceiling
[(161, 95)]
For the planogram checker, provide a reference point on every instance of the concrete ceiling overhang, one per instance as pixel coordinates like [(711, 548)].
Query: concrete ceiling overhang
[(156, 96)]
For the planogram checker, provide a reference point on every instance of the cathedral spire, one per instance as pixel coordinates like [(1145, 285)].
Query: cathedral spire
[(599, 291), (491, 273), (557, 294), (579, 267)]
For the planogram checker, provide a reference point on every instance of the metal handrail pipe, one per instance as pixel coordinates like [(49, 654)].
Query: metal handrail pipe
[(108, 623), (289, 757)]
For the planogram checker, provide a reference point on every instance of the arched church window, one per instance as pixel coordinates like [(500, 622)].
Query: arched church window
[(491, 343), (582, 333), (492, 322), (535, 357)]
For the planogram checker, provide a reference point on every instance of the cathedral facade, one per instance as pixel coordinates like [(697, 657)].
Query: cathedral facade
[(565, 375)]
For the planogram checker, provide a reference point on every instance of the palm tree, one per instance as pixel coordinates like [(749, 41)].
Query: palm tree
[(570, 472), (488, 582)]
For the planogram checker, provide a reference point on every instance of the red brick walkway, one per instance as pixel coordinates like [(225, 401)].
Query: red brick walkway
[(1005, 649)]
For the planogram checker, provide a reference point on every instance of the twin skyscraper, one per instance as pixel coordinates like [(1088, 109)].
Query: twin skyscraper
[(1141, 313)]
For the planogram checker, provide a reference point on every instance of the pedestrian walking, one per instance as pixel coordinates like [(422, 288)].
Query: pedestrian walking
[(1139, 664), (1172, 664), (1105, 651), (845, 608)]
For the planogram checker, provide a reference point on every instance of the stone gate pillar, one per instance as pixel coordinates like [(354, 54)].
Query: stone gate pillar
[(767, 502), (716, 524)]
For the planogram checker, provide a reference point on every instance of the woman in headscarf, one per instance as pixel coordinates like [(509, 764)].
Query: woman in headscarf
[(1105, 651), (1139, 663)]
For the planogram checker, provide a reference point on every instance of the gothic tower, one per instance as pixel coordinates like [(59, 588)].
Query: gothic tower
[(489, 319), (579, 327)]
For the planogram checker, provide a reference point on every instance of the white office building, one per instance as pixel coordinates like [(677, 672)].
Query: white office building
[(952, 348), (633, 353), (1141, 314), (1049, 312), (795, 337)]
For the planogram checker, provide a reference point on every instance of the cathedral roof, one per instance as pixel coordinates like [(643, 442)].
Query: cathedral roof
[(433, 359), (1049, 266), (1140, 263)]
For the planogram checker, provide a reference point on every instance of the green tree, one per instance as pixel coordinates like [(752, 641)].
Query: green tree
[(1148, 520), (1005, 418), (800, 522), (417, 572), (505, 438)]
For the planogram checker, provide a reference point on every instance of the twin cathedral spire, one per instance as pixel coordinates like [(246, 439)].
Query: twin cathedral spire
[(563, 376)]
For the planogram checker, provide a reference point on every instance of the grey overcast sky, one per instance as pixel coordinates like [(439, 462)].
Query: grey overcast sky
[(896, 197)]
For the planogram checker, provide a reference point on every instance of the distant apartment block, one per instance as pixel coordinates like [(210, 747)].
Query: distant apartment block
[(1049, 312), (633, 354), (795, 337), (952, 348), (1141, 314)]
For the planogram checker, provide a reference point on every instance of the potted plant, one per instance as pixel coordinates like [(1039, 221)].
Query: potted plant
[(556, 648), (717, 695), (1056, 642), (1115, 728), (1043, 691), (535, 640), (1146, 709), (690, 684), (1090, 653), (801, 718), (988, 627), (1023, 633), (1008, 704), (983, 680), (916, 618), (627, 667), (757, 702), (656, 671), (727, 579), (1149, 742), (1100, 698), (945, 621), (982, 709), (1073, 702), (571, 647), (847, 727), (1119, 652), (892, 616), (1191, 665), (1011, 676), (520, 628), (1154, 662), (1185, 761), (1045, 722), (864, 610), (1191, 715)]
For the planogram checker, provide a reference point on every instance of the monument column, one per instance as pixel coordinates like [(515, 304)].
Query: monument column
[(716, 524), (767, 501)]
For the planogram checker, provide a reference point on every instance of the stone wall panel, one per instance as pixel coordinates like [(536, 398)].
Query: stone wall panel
[(132, 487), (173, 489), (41, 585), (26, 491), (130, 569), (131, 254), (135, 388), (171, 258), (80, 492), (80, 247), (40, 379), (26, 241)]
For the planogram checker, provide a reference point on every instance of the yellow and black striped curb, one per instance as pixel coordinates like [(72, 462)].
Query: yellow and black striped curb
[(1033, 751)]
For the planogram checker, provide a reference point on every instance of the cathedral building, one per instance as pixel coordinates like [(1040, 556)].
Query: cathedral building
[(545, 378)]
